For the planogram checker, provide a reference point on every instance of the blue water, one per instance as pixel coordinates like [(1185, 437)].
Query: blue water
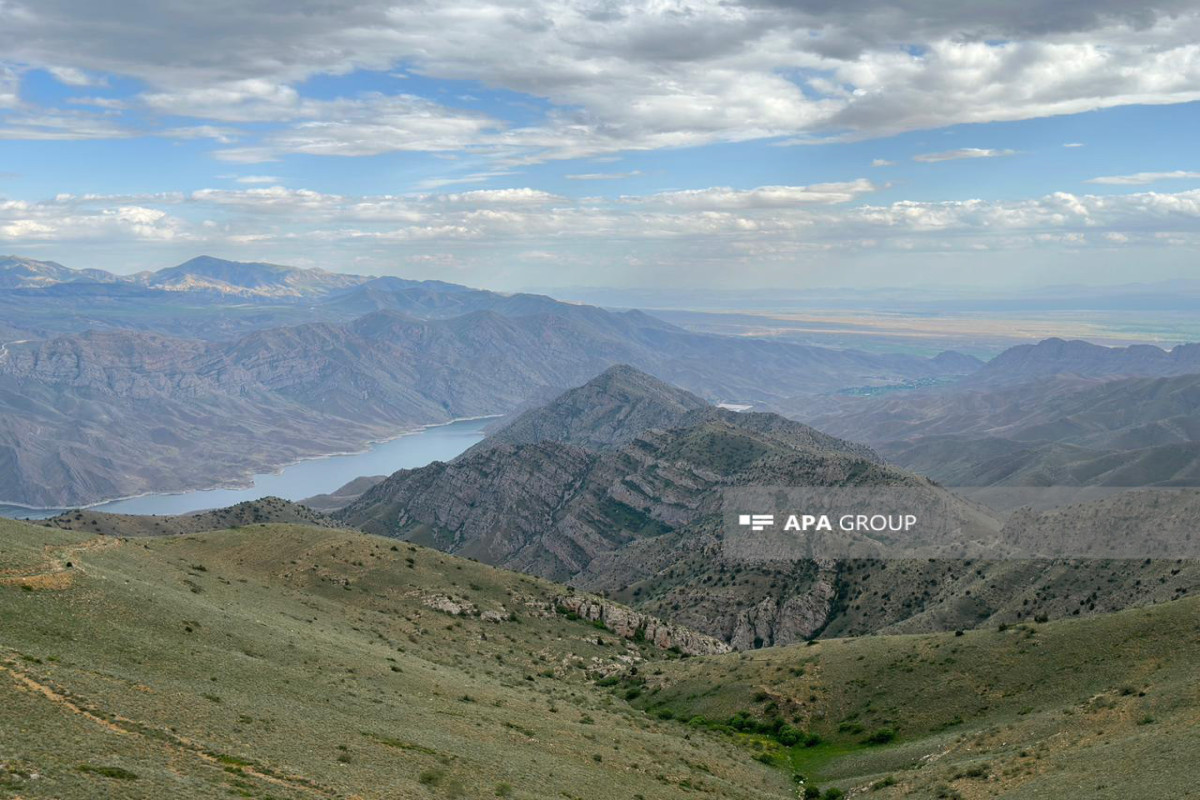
[(303, 479)]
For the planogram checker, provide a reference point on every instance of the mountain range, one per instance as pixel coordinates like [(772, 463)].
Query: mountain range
[(617, 487), (185, 378), (1053, 414)]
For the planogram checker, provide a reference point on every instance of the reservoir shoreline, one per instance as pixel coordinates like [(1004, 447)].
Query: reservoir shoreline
[(249, 480)]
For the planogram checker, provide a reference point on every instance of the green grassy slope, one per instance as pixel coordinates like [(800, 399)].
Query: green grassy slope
[(1105, 707), (296, 662)]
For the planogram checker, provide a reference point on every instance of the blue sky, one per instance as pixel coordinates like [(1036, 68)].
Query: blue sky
[(559, 143)]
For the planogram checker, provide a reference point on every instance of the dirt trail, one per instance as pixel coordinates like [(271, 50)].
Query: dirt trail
[(124, 726), (55, 573)]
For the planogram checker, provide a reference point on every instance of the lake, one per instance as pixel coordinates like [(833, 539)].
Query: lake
[(304, 478)]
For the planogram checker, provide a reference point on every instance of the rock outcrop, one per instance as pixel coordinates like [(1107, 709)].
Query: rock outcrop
[(630, 624)]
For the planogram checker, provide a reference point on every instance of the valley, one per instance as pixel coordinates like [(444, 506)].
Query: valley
[(281, 660), (550, 595), (94, 412)]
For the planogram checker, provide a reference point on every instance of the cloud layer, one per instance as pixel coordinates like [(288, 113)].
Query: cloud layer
[(771, 221), (616, 75)]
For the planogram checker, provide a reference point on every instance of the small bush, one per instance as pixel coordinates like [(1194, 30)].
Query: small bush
[(881, 736), (432, 777)]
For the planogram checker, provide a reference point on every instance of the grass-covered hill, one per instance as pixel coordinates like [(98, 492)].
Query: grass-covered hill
[(1103, 707), (286, 661), (250, 512), (281, 661)]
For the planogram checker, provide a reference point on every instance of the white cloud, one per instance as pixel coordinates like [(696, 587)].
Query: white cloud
[(788, 215), (50, 125), (520, 197), (472, 177), (369, 125), (222, 135), (1143, 178), (965, 152), (1073, 144), (768, 230), (30, 223), (108, 103), (69, 76), (882, 162), (623, 75)]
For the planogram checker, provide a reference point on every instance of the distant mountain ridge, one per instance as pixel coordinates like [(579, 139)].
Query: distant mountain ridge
[(1059, 357), (257, 279), (17, 272), (1052, 414), (105, 414), (211, 371)]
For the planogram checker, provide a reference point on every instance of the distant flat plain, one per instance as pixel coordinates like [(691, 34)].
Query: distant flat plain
[(982, 334)]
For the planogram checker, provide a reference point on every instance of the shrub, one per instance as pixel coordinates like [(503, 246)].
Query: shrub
[(881, 736), (432, 777), (788, 736)]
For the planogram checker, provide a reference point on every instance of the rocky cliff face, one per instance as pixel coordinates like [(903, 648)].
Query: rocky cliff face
[(780, 621), (631, 624), (552, 508)]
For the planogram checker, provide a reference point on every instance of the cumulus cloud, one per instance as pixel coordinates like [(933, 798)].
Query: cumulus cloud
[(762, 220), (622, 75), (32, 223), (1143, 178), (965, 152), (519, 197)]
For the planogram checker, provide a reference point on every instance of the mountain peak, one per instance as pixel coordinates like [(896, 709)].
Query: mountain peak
[(250, 278), (20, 272), (1079, 358), (610, 410)]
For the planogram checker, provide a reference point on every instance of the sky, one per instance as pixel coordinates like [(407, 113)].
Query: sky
[(556, 143)]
